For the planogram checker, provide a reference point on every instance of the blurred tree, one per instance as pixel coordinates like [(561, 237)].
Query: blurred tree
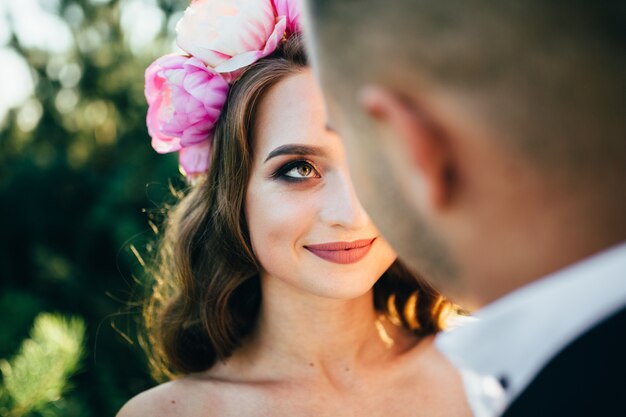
[(79, 186)]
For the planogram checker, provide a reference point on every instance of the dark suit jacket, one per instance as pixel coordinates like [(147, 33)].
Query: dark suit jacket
[(586, 379)]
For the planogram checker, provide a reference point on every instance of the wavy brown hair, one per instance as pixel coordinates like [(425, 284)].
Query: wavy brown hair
[(206, 295)]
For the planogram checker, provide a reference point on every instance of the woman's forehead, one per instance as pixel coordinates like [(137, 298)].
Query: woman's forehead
[(292, 111)]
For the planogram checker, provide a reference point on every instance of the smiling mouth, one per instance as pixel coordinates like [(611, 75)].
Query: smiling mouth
[(342, 252)]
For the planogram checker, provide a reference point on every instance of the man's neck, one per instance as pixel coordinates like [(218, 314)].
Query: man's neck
[(548, 256)]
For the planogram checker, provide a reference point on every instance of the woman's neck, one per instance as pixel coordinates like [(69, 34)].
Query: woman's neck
[(298, 331)]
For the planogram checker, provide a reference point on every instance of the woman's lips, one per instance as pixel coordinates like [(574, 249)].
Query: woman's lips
[(342, 252)]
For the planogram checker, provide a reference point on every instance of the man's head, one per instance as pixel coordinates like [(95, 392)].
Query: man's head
[(475, 127)]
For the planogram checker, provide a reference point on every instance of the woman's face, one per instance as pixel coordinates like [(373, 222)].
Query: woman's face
[(306, 224)]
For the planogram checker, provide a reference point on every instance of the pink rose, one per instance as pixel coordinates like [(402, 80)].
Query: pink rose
[(185, 99), (291, 9), (228, 35)]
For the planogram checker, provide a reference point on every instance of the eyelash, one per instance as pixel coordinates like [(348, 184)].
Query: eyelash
[(281, 173)]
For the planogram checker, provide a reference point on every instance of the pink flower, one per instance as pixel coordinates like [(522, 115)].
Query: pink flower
[(291, 9), (185, 99), (195, 159), (228, 35)]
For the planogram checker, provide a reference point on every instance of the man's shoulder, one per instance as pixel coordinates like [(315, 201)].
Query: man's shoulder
[(588, 377)]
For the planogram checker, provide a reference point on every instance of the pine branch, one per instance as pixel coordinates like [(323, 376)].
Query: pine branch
[(38, 375)]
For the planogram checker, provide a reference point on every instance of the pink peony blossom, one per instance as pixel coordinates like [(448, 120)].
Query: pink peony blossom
[(291, 9), (228, 35), (195, 159), (185, 99)]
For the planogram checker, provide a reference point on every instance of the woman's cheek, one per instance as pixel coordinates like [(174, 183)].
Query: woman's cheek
[(289, 217), (279, 221)]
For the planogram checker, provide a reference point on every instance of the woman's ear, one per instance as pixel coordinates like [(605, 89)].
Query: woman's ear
[(416, 136)]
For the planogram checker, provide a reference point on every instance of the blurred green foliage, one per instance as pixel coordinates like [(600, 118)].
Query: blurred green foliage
[(79, 184), (35, 379)]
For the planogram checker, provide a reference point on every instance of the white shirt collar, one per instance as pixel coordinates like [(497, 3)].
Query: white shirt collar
[(517, 335)]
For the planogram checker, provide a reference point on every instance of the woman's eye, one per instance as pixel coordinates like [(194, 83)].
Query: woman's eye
[(299, 170)]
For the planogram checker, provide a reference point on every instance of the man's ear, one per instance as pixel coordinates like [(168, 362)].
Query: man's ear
[(425, 144)]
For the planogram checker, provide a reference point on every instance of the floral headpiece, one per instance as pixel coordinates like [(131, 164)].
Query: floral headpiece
[(186, 93)]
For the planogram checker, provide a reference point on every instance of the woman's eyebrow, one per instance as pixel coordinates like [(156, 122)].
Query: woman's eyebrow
[(293, 149)]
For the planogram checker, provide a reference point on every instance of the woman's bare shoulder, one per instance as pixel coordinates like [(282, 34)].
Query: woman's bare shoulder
[(434, 381), (163, 400), (425, 362), (174, 398)]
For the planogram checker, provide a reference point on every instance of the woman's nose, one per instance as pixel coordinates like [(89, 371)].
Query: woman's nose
[(341, 206)]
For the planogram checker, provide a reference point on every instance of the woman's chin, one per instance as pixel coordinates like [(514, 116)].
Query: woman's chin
[(337, 286)]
